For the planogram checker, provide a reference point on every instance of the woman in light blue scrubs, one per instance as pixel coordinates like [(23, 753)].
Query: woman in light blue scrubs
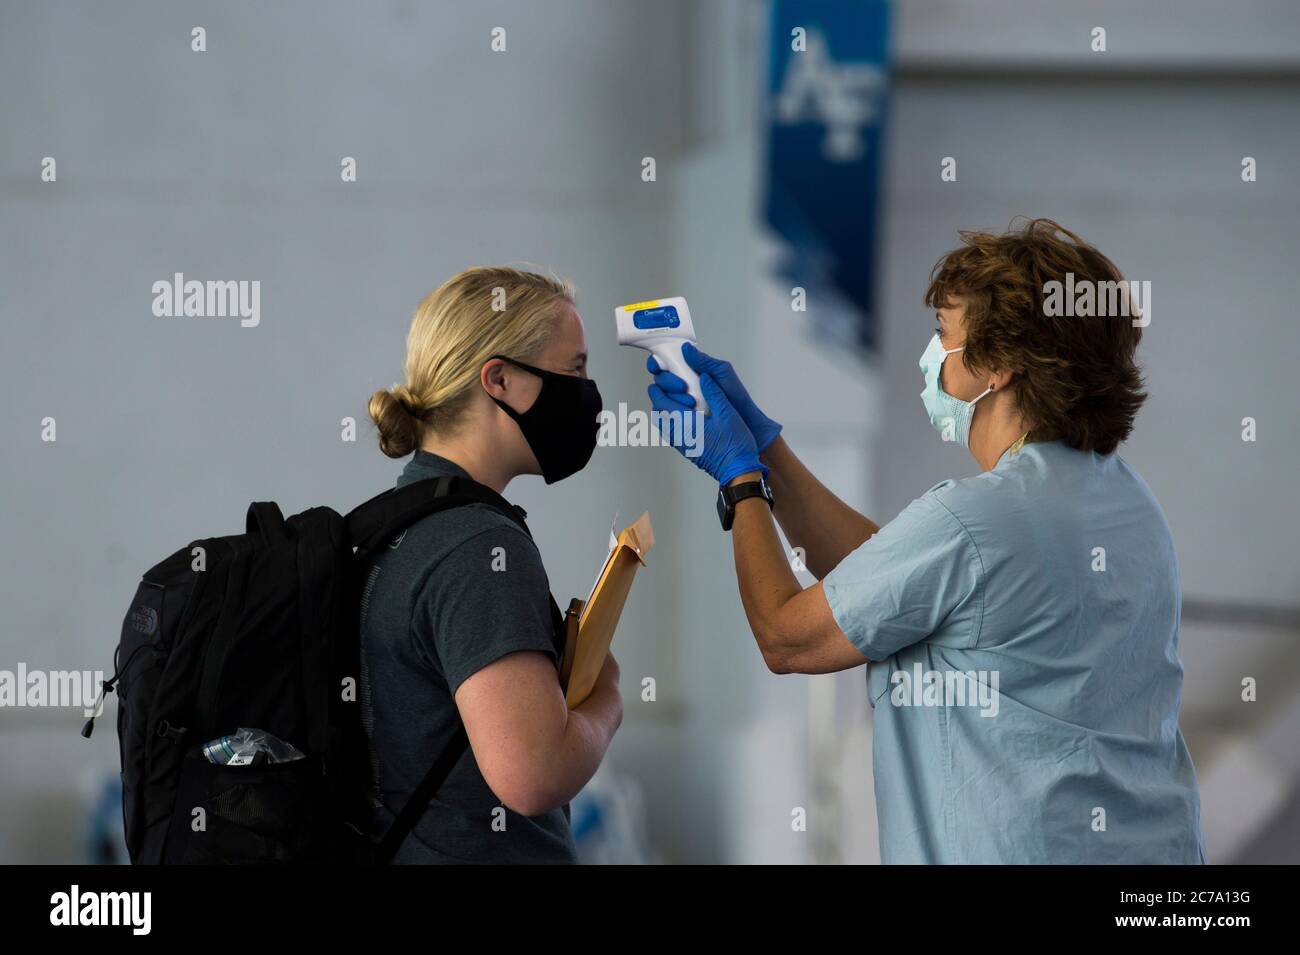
[(1020, 627)]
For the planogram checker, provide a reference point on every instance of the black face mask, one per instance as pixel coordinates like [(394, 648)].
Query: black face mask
[(562, 425)]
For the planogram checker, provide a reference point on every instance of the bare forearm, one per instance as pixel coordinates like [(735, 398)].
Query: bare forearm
[(794, 627), (762, 571), (588, 731), (810, 514)]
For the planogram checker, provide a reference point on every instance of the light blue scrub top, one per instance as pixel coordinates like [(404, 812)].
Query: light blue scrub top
[(1077, 757)]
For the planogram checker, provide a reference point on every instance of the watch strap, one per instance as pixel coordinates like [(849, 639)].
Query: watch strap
[(730, 496)]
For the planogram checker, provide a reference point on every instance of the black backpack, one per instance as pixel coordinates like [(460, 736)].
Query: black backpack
[(261, 630)]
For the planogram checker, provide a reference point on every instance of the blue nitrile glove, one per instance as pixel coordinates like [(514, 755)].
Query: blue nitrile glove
[(760, 425), (725, 449)]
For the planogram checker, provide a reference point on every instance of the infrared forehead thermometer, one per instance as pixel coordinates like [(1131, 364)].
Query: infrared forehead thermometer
[(660, 327)]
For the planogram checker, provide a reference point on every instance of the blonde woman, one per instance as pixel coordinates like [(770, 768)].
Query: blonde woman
[(457, 622)]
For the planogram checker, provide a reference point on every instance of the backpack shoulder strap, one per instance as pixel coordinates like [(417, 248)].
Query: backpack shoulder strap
[(386, 515), (373, 524), (422, 796)]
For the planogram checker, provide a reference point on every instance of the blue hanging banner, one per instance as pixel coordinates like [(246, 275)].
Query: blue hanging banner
[(826, 103)]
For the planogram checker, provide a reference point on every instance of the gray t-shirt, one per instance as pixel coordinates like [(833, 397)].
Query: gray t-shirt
[(457, 591)]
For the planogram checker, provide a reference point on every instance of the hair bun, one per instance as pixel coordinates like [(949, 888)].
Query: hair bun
[(396, 421)]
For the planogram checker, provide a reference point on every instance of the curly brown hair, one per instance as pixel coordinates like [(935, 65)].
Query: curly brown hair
[(1075, 379)]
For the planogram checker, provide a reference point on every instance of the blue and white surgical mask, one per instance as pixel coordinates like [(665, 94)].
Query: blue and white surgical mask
[(950, 416)]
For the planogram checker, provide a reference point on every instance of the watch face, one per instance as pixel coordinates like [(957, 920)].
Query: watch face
[(722, 508)]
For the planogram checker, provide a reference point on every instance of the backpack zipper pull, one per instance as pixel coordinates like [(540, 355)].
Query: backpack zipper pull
[(105, 688)]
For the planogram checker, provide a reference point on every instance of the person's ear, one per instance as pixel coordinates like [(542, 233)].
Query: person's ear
[(999, 380), (493, 377)]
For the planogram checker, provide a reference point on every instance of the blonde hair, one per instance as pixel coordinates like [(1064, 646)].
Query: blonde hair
[(454, 331)]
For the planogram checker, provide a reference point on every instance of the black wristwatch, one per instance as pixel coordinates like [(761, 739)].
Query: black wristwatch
[(728, 497)]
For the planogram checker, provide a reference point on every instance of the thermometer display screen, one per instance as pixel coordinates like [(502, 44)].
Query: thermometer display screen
[(663, 317)]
